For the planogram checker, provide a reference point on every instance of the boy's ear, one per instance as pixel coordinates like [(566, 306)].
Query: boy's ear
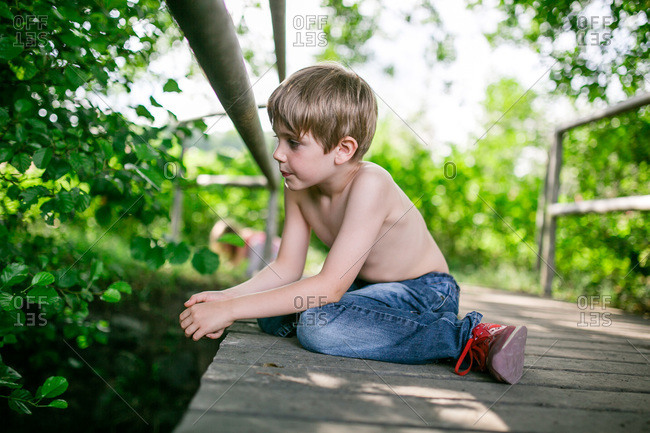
[(346, 149)]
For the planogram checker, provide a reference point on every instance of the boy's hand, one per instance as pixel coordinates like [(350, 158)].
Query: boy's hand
[(206, 319), (219, 295)]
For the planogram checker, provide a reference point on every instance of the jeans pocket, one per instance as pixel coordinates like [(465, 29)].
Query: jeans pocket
[(445, 298)]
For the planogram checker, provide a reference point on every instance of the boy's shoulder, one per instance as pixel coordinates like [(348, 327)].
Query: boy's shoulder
[(369, 177)]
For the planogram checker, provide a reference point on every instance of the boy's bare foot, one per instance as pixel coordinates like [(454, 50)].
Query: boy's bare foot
[(498, 349)]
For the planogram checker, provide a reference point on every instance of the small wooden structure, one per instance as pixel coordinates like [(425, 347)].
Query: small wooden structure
[(549, 209), (587, 369)]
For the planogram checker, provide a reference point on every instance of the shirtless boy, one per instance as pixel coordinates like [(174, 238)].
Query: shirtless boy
[(384, 291)]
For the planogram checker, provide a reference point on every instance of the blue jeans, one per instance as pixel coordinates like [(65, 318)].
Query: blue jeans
[(410, 322)]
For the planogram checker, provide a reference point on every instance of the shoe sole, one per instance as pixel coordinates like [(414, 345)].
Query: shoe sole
[(506, 360)]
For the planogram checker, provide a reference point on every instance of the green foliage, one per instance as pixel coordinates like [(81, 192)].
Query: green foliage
[(349, 27), (607, 254), (596, 44), (481, 203), (67, 159)]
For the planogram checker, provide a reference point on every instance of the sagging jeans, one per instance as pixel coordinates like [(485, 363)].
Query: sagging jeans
[(410, 322)]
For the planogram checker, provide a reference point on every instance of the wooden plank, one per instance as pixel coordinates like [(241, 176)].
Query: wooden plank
[(415, 406), (639, 202), (230, 180), (575, 379), (435, 387), (620, 108)]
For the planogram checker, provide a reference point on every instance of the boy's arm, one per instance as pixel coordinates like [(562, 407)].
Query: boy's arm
[(286, 268), (362, 222)]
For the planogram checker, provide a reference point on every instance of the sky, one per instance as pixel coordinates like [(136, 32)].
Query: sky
[(452, 114)]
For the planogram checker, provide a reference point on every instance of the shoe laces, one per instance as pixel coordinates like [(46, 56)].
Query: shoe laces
[(476, 350)]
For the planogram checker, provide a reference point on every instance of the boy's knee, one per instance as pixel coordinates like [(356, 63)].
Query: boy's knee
[(314, 330), (279, 326)]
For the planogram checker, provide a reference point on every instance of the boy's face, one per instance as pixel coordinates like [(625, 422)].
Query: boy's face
[(302, 161)]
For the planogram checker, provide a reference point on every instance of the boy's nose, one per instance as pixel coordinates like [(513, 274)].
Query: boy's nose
[(277, 155)]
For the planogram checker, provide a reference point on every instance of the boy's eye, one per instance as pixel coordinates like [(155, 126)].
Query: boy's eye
[(293, 143)]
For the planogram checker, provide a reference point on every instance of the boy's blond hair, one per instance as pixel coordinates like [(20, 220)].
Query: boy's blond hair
[(330, 102)]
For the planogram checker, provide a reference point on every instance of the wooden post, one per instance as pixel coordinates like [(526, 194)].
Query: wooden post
[(177, 205), (271, 226), (541, 212), (548, 239)]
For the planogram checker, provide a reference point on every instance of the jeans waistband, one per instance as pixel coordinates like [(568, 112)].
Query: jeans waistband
[(441, 275)]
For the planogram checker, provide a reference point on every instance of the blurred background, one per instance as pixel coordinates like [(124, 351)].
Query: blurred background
[(105, 115)]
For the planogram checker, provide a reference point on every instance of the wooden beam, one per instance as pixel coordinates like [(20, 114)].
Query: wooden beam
[(211, 34), (228, 180), (278, 18), (218, 113), (640, 202), (622, 107)]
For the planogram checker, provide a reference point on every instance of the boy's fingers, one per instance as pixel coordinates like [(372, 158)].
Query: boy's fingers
[(215, 335), (191, 330)]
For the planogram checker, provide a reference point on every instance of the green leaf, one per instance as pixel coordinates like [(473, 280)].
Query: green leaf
[(42, 157), (9, 384), (57, 168), (177, 253), (13, 274), (121, 286), (75, 77), (23, 105), (5, 154), (81, 163), (103, 215), (32, 194), (171, 86), (153, 177), (144, 152), (155, 257), (142, 111), (232, 239), (65, 201), (59, 404), (154, 102), (53, 386), (42, 295), (111, 295), (139, 247), (42, 279), (68, 279), (18, 405), (21, 162), (205, 261), (6, 301), (80, 199), (4, 117), (26, 71), (9, 374), (7, 48)]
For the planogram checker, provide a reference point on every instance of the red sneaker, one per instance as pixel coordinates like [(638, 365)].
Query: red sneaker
[(498, 349)]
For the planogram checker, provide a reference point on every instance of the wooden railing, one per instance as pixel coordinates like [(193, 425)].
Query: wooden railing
[(549, 209), (208, 27)]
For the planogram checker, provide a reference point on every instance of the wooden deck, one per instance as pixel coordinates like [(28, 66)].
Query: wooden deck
[(577, 378)]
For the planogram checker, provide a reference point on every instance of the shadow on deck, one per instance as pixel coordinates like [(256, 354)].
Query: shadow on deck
[(586, 370)]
